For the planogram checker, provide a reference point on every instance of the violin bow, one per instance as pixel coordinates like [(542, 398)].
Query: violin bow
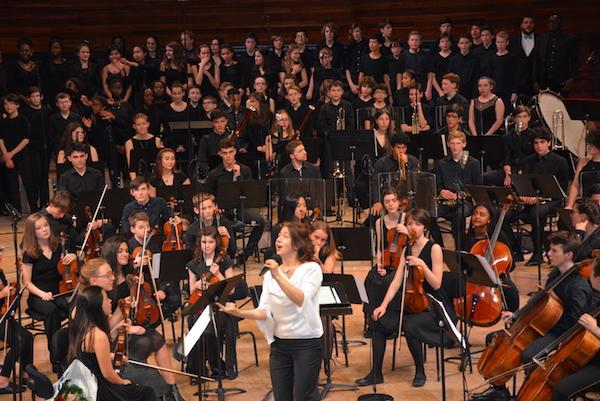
[(154, 288), (89, 229)]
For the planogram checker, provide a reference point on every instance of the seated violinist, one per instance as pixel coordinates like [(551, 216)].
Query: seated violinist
[(167, 292), (208, 215), (586, 220), (210, 264), (574, 293)]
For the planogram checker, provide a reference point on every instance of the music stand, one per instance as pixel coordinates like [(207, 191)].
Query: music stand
[(427, 146), (489, 147), (564, 217), (119, 197), (313, 148), (142, 161), (447, 328), (182, 193), (583, 109), (489, 194), (216, 292), (542, 186)]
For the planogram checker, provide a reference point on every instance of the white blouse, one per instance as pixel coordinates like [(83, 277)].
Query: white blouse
[(285, 319)]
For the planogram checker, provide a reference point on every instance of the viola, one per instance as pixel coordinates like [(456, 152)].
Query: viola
[(120, 351), (10, 299), (535, 319), (68, 273), (577, 348), (208, 278), (173, 233), (146, 309), (95, 239), (485, 304), (415, 299), (396, 242)]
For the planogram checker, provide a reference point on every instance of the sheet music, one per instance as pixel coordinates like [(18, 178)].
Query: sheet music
[(156, 265), (362, 291), (448, 322), (196, 331), (328, 296)]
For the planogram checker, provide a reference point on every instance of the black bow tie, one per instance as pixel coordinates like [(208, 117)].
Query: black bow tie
[(528, 35)]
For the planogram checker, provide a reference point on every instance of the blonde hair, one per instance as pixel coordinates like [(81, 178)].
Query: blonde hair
[(89, 270)]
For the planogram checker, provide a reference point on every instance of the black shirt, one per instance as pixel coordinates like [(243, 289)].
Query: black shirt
[(64, 225), (156, 209), (575, 294), (44, 273), (58, 126), (208, 148), (200, 267), (13, 131), (517, 147), (220, 174), (75, 183), (420, 62), (551, 164), (329, 113), (503, 70), (388, 164), (308, 170), (39, 120), (448, 173), (297, 116), (178, 180), (376, 68), (467, 67)]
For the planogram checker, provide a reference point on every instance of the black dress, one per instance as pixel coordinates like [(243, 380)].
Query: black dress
[(108, 391), (485, 114), (589, 175), (178, 180), (144, 145)]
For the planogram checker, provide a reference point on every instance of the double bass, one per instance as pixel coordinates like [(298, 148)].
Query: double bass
[(485, 304)]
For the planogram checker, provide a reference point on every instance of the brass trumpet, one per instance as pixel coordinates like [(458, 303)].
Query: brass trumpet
[(415, 121)]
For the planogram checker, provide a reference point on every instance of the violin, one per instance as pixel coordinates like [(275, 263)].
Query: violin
[(577, 347), (10, 299), (120, 351), (415, 299), (208, 277), (396, 242), (485, 304), (535, 319), (173, 233), (586, 269), (95, 239), (69, 272), (146, 309), (316, 215)]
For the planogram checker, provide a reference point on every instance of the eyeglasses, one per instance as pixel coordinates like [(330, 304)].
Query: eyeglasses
[(107, 275)]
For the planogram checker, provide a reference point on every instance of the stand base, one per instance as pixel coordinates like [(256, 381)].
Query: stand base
[(222, 392), (327, 387), (375, 397)]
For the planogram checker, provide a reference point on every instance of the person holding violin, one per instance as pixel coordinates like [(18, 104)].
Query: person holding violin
[(208, 215), (143, 341), (156, 208), (299, 166), (232, 171), (166, 292), (574, 293), (42, 253), (288, 314), (586, 220), (165, 172), (14, 336), (89, 342), (424, 257), (211, 264), (57, 214)]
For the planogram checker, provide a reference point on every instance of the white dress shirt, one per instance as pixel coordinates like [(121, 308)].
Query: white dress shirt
[(528, 42), (285, 319)]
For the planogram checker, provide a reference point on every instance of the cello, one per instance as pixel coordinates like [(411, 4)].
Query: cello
[(576, 348), (68, 273), (485, 304), (500, 359)]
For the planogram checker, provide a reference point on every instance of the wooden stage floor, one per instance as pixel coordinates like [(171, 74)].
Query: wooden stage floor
[(256, 381)]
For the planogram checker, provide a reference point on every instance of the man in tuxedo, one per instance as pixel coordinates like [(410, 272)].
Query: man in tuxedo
[(523, 45), (555, 57)]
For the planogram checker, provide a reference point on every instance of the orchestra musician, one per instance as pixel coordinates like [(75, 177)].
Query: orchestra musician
[(586, 166), (207, 213), (586, 220)]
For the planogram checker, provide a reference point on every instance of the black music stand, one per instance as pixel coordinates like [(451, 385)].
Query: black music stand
[(142, 161), (489, 194), (313, 148), (216, 292), (564, 218), (427, 146), (583, 109), (543, 186), (337, 283), (113, 211), (183, 194), (489, 147), (447, 328)]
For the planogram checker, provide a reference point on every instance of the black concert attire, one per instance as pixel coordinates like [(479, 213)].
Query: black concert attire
[(517, 146), (54, 77), (409, 109), (328, 115), (354, 54), (75, 183), (554, 60), (193, 232), (173, 75), (143, 167), (484, 55), (374, 67), (233, 74), (13, 131), (140, 77), (485, 115), (321, 74), (467, 67), (20, 80), (339, 55), (45, 276), (178, 179), (523, 45), (206, 88), (388, 164), (309, 59), (155, 208), (39, 123), (445, 101), (208, 150), (401, 98), (453, 176), (90, 77), (19, 340), (505, 70), (298, 115), (250, 216), (440, 66), (588, 245), (174, 138), (227, 328), (421, 62), (308, 170), (589, 176), (549, 164), (394, 68)]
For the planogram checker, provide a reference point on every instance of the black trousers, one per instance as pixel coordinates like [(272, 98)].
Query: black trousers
[(456, 215), (20, 342), (252, 216), (40, 174), (295, 366), (529, 215), (24, 167), (54, 313), (578, 382)]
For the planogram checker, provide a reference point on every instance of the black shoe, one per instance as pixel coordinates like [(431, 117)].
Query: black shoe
[(369, 380), (11, 389), (231, 375), (368, 333), (419, 380), (492, 394)]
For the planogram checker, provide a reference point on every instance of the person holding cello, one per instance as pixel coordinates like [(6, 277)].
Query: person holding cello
[(42, 253), (574, 293), (209, 265)]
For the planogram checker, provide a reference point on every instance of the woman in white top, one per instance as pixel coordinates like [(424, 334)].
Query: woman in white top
[(288, 314)]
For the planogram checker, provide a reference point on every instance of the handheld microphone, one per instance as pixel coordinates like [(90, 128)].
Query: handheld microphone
[(265, 269)]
